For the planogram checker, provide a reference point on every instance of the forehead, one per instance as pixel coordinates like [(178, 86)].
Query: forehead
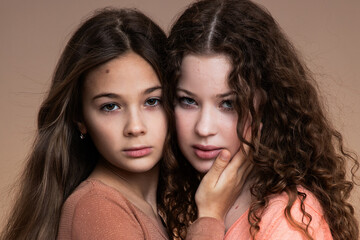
[(208, 72), (127, 73)]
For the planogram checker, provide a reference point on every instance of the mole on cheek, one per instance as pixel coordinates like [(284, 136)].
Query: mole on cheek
[(107, 70)]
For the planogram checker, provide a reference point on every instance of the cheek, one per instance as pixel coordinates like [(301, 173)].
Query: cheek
[(229, 132), (103, 140), (184, 122), (157, 124), (102, 129), (101, 134)]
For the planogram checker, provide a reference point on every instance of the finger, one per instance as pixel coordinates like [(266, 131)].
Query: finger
[(236, 164), (218, 167), (236, 174), (235, 167), (232, 169), (237, 160)]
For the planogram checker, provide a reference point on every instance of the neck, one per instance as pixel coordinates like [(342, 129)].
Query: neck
[(240, 206), (139, 188)]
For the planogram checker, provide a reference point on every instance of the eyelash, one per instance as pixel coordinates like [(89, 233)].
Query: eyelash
[(231, 108), (158, 102), (184, 102), (105, 107)]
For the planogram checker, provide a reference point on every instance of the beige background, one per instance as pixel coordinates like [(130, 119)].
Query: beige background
[(33, 34)]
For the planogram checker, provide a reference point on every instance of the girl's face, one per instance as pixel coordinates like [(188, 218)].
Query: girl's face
[(206, 121), (122, 113)]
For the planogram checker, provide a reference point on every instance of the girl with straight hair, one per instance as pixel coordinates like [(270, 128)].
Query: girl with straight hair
[(230, 67), (96, 170)]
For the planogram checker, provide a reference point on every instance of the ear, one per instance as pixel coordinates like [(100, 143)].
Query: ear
[(82, 127)]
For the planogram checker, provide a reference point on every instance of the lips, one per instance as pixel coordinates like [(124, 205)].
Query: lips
[(137, 152), (206, 152)]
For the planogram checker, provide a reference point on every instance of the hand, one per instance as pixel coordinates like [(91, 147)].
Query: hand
[(223, 183)]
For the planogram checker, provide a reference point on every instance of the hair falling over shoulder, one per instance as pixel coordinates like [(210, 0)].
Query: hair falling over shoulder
[(298, 145), (59, 159)]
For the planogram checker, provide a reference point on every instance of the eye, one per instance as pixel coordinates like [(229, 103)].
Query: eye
[(187, 102), (110, 107), (227, 105), (153, 102)]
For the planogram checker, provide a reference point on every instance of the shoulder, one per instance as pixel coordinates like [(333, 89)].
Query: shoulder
[(94, 208), (274, 222), (95, 196), (310, 204)]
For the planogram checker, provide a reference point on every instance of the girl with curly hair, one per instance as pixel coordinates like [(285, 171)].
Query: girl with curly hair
[(96, 167), (231, 68)]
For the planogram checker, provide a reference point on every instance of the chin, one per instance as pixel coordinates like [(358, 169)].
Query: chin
[(142, 167), (150, 167), (203, 167)]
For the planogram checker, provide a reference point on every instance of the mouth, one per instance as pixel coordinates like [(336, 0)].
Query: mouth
[(137, 152), (206, 152)]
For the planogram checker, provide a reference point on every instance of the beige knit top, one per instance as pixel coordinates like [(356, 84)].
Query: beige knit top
[(97, 211)]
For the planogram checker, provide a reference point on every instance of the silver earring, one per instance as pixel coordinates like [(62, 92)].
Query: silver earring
[(82, 136)]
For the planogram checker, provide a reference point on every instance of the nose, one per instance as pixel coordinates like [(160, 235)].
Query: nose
[(206, 123), (134, 125)]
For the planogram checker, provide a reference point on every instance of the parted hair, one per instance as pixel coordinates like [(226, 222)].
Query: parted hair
[(59, 159), (298, 146)]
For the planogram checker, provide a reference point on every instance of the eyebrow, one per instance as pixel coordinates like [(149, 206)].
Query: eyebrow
[(221, 95), (185, 91), (152, 89), (114, 95), (107, 95)]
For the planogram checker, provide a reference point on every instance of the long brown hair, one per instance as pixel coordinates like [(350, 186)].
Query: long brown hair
[(60, 160), (298, 145)]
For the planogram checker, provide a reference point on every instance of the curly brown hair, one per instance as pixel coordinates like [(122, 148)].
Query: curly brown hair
[(298, 145)]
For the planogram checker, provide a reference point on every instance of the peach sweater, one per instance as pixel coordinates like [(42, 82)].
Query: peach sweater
[(274, 224), (97, 211)]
